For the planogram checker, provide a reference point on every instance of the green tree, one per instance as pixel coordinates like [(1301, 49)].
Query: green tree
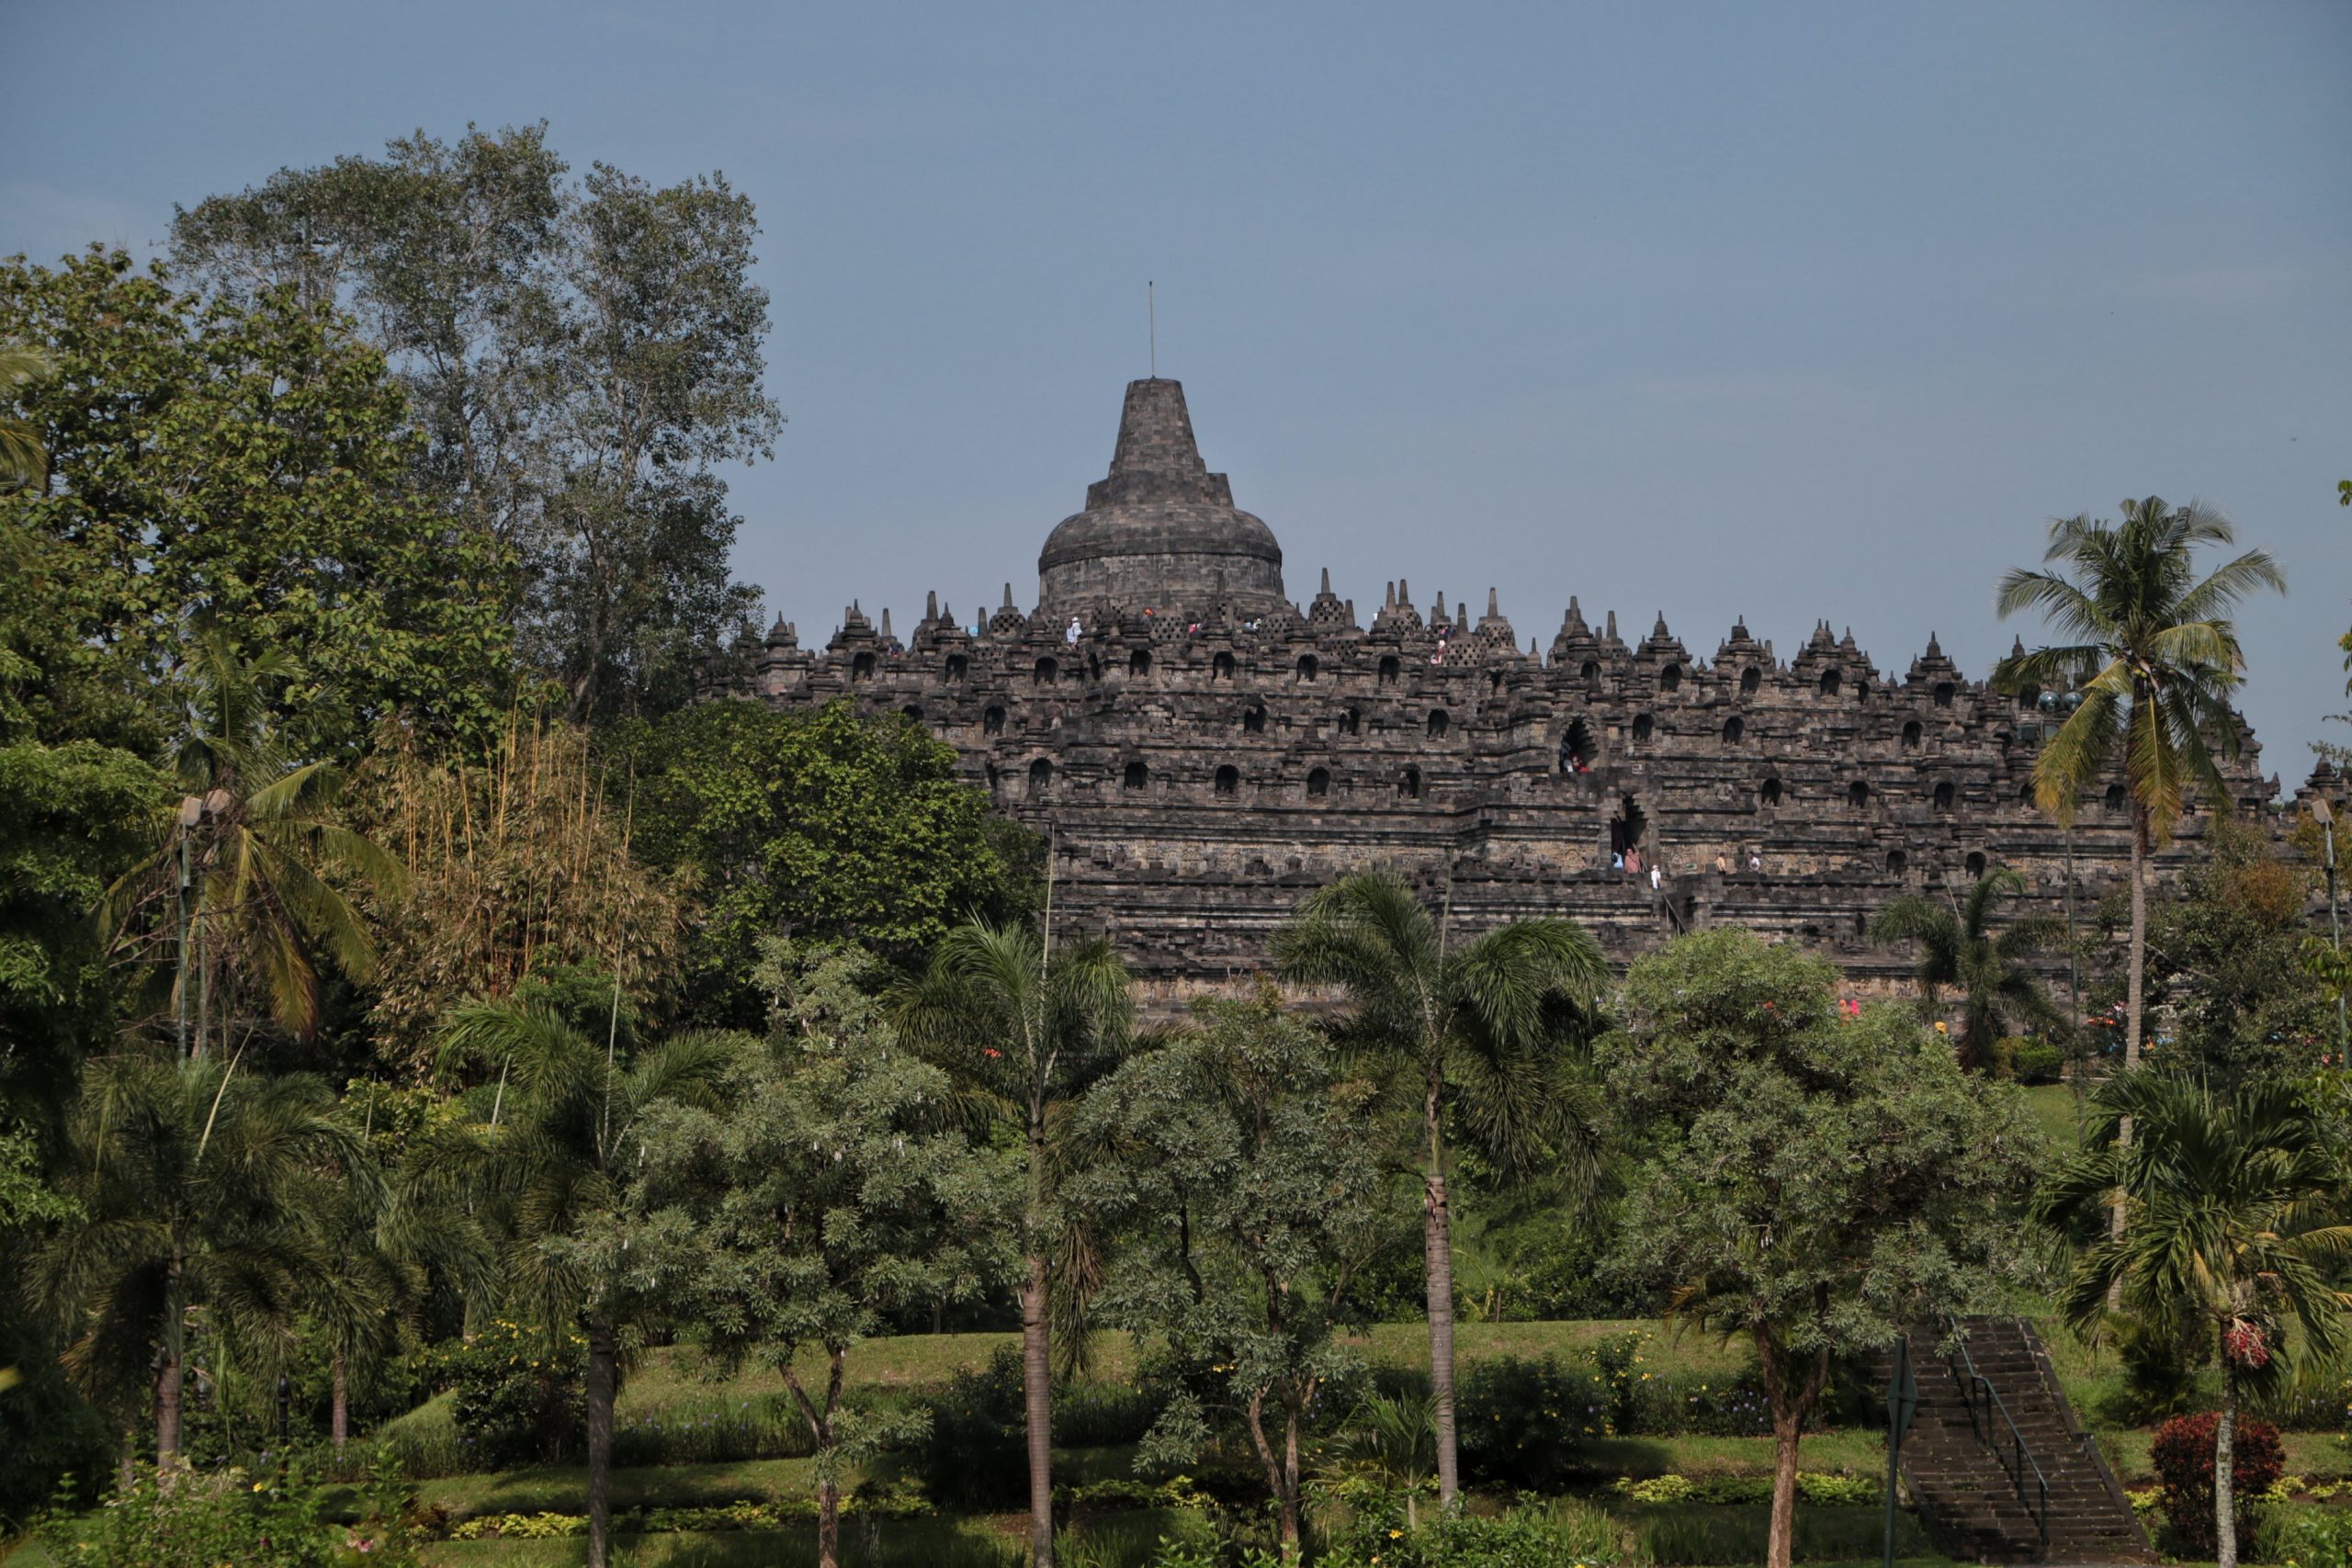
[(821, 826), (830, 1190), (556, 1161), (1959, 949), (2154, 657), (189, 1180), (1807, 1182), (247, 464), (1475, 1032), (240, 889), (582, 359), (1236, 1159), (1023, 1033), (2236, 1231)]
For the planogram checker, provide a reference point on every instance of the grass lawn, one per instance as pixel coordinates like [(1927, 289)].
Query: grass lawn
[(2052, 1105), (665, 1378)]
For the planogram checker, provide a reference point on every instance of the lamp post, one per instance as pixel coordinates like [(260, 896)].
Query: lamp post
[(2325, 815)]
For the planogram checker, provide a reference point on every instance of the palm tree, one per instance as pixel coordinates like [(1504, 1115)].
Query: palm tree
[(2154, 659), (556, 1162), (246, 859), (22, 461), (1474, 1028), (1025, 1033), (2237, 1203), (1958, 948), (192, 1181)]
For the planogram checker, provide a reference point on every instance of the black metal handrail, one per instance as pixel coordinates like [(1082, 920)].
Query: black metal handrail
[(1984, 1403)]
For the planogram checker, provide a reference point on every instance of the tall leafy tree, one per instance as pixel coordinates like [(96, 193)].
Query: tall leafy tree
[(1959, 950), (241, 890), (1804, 1181), (831, 1188), (245, 463), (2154, 654), (1025, 1033), (189, 1180), (2236, 1230), (556, 1162), (583, 357), (822, 826), (1235, 1160), (1475, 1033)]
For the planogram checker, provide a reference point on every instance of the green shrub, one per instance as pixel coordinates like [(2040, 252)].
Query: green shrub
[(1568, 1533), (1694, 1533), (205, 1518), (2035, 1061), (2305, 1537), (975, 1456), (518, 1400)]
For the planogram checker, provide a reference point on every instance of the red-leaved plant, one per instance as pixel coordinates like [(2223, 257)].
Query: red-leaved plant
[(2182, 1454)]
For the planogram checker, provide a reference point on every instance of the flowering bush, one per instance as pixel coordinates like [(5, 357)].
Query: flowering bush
[(1819, 1489), (518, 1399), (2182, 1453), (199, 1520)]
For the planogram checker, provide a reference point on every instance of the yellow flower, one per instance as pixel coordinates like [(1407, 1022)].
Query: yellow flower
[(259, 1484), (1394, 1535)]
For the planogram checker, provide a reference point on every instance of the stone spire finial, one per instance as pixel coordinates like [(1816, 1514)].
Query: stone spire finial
[(1390, 603), (1437, 613), (1492, 604), (1611, 633), (1659, 631), (1008, 596), (1326, 580), (931, 604), (885, 622), (2017, 648), (1572, 624), (1404, 593)]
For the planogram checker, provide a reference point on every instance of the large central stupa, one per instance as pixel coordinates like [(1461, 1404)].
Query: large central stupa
[(1159, 532)]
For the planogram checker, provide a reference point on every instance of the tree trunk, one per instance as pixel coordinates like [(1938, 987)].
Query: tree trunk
[(170, 1370), (1037, 1388), (126, 1468), (2225, 1501), (1438, 1240), (1437, 1243), (829, 1522), (1291, 1547), (1779, 1545), (603, 1364), (339, 1418), (2133, 998)]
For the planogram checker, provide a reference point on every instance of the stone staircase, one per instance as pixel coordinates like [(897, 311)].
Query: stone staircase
[(1964, 1457)]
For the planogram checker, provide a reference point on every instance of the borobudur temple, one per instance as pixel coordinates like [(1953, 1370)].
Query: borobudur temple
[(1203, 751)]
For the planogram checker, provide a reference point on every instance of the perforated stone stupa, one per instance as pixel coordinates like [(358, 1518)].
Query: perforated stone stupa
[(1206, 752)]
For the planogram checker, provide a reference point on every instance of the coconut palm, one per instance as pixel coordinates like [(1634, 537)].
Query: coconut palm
[(22, 461), (2235, 1230), (1025, 1033), (193, 1181), (242, 876), (1473, 1030), (1959, 950), (2154, 659), (555, 1164)]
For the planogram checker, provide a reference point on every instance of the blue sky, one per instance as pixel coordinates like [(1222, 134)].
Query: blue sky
[(1783, 312)]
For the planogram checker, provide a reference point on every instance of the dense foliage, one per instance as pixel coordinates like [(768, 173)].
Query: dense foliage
[(2183, 1454)]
